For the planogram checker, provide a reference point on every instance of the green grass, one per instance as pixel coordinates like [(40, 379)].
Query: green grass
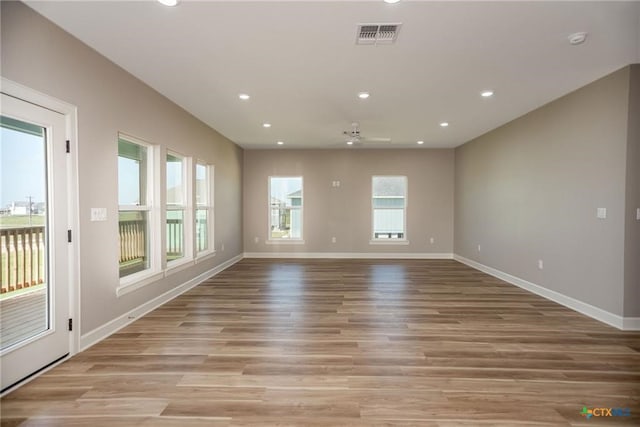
[(13, 221)]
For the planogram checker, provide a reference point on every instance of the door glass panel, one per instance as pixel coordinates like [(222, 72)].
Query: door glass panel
[(24, 288)]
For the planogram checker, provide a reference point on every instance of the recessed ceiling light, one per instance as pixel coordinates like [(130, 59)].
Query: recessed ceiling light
[(363, 95), (486, 93), (280, 143), (391, 1), (577, 38), (266, 125), (420, 142), (244, 96), (349, 142), (169, 2), (444, 124)]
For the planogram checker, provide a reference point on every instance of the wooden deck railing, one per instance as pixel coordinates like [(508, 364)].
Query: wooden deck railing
[(22, 251), (22, 258)]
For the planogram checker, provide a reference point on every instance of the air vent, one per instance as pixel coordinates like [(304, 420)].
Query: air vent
[(377, 33)]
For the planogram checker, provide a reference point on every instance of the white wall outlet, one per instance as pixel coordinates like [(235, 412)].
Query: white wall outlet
[(638, 214), (540, 264), (222, 247), (432, 240), (333, 239), (98, 214), (479, 248), (601, 213), (256, 239), (335, 184)]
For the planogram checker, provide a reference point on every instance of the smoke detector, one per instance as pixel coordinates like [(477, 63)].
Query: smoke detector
[(377, 33), (577, 38)]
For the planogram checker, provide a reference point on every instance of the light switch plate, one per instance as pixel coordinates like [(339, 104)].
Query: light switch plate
[(98, 214), (602, 213)]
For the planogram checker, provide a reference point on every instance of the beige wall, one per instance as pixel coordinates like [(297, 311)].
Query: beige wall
[(529, 190), (345, 212), (40, 55), (632, 228)]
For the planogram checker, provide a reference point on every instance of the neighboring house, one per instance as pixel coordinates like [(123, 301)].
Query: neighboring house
[(19, 208), (388, 212), (278, 214), (295, 204)]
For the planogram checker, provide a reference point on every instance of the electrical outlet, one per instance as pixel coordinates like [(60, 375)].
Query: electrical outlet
[(333, 239), (222, 247), (479, 248), (432, 240), (540, 264), (638, 214), (256, 239)]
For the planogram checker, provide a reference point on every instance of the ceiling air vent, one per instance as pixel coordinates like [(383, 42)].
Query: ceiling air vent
[(377, 33)]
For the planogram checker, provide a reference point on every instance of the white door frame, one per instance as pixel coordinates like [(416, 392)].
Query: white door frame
[(70, 113)]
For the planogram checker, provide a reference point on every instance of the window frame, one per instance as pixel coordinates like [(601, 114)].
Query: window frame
[(210, 209), (390, 241), (154, 271), (280, 240), (187, 213)]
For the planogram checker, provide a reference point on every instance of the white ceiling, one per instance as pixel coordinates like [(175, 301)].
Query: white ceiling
[(299, 62)]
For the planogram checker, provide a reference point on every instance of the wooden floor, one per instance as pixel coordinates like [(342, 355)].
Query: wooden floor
[(345, 343)]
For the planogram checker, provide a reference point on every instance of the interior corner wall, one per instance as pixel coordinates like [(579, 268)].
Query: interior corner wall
[(345, 212), (632, 222), (530, 190), (40, 55)]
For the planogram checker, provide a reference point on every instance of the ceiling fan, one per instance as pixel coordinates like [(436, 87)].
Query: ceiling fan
[(355, 138)]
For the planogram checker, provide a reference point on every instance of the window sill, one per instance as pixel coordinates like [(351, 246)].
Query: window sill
[(388, 242), (203, 256), (134, 282), (285, 242), (178, 265)]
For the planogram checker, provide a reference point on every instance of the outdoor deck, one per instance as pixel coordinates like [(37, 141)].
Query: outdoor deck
[(22, 315)]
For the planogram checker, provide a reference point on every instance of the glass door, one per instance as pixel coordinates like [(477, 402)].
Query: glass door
[(34, 298)]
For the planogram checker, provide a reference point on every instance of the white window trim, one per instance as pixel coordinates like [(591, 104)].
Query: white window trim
[(298, 240), (210, 252), (154, 272), (404, 240), (187, 216)]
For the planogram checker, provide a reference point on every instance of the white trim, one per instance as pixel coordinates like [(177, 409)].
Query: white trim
[(631, 323), (348, 255), (623, 323), (388, 242), (70, 112), (137, 281), (111, 327), (284, 242)]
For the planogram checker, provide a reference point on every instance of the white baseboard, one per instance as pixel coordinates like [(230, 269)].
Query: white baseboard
[(631, 323), (347, 255), (109, 328), (623, 323)]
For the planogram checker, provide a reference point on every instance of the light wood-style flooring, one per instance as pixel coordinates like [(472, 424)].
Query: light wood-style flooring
[(345, 343)]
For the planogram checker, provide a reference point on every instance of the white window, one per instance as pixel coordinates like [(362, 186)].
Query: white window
[(135, 212), (285, 208), (389, 202), (204, 208), (178, 210)]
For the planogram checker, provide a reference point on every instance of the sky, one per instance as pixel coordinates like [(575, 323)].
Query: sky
[(22, 164)]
